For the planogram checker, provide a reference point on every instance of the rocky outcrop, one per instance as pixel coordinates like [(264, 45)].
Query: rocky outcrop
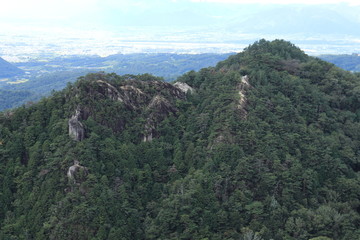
[(134, 94), (149, 130), (243, 86), (109, 90), (161, 105), (76, 128), (184, 87), (128, 94), (139, 96), (151, 100), (73, 171), (224, 134), (158, 109)]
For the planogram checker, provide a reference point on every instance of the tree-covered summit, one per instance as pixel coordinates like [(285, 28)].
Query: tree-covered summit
[(277, 48), (264, 146)]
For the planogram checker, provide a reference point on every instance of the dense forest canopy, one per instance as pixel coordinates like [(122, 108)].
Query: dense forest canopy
[(263, 146)]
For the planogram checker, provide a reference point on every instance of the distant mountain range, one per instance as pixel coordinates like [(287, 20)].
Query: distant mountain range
[(8, 70), (345, 61), (301, 19), (304, 20)]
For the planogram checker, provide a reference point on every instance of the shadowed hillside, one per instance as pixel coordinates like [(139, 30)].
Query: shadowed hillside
[(8, 70)]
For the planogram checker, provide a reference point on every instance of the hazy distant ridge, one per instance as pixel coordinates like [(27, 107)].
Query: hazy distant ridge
[(8, 70)]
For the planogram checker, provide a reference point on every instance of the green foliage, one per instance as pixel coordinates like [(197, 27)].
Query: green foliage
[(283, 164), (10, 99)]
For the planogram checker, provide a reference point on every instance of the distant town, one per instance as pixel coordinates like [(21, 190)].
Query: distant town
[(22, 46)]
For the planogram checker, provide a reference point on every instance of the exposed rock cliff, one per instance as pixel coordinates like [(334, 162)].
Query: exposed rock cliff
[(242, 88), (76, 128), (184, 87), (161, 105), (74, 170), (130, 95), (151, 100), (224, 134), (158, 109), (109, 91)]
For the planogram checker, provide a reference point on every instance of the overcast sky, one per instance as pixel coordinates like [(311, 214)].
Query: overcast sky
[(353, 2), (22, 10), (37, 15), (215, 20)]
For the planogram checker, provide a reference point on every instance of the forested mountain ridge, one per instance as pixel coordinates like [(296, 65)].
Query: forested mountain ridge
[(263, 146), (43, 76), (11, 99)]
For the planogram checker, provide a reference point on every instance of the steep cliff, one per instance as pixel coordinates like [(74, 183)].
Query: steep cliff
[(151, 100), (76, 128)]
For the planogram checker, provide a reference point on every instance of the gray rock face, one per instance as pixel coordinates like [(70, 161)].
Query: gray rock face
[(76, 128), (242, 88), (184, 87), (148, 136), (110, 91), (73, 170), (159, 108), (128, 94), (161, 105), (224, 135), (154, 100)]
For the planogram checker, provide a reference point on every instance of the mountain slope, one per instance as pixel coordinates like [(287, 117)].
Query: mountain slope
[(10, 99), (8, 70), (262, 146)]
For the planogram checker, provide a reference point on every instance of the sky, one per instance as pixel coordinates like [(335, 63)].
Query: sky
[(38, 15), (22, 11), (352, 2), (210, 21)]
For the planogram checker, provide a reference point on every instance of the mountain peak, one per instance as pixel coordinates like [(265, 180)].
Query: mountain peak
[(255, 150), (280, 48)]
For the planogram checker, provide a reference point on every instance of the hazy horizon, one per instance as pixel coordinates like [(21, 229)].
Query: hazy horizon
[(104, 27)]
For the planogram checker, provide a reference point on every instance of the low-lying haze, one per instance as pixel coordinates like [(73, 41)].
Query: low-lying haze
[(39, 29)]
